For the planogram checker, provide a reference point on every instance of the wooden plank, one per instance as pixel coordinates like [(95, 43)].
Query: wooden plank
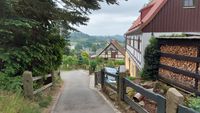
[(184, 109), (112, 75), (143, 91), (111, 86), (179, 71), (42, 88), (179, 86), (40, 77), (37, 78), (180, 57), (183, 42), (134, 105), (159, 99)]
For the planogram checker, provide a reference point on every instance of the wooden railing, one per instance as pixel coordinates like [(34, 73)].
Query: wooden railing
[(184, 109), (29, 80), (120, 88), (160, 100)]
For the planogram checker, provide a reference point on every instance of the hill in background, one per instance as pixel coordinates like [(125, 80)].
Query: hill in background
[(81, 41)]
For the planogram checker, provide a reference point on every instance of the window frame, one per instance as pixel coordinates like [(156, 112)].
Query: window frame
[(184, 6)]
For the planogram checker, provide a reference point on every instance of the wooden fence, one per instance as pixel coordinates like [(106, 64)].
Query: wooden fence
[(183, 109), (120, 88), (29, 81)]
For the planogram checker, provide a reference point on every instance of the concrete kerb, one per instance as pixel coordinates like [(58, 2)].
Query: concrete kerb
[(91, 85), (57, 99)]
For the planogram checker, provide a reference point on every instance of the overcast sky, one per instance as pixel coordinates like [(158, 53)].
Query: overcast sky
[(113, 20)]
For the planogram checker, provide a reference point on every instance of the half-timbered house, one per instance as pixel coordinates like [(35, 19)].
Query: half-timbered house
[(113, 51), (159, 17)]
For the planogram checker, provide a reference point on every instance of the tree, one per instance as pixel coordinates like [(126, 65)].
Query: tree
[(151, 60), (29, 32)]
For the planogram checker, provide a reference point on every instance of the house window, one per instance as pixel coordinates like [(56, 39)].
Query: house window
[(189, 3), (139, 43), (106, 52)]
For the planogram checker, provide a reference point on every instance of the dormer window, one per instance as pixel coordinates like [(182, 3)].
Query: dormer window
[(188, 3)]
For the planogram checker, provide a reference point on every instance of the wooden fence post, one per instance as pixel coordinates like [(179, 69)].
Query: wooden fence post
[(122, 75), (95, 79), (28, 84), (102, 79)]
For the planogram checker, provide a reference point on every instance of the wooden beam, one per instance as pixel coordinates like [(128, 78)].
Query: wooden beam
[(179, 71), (180, 57)]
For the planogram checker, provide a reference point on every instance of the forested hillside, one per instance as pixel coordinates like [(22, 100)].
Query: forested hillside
[(82, 41)]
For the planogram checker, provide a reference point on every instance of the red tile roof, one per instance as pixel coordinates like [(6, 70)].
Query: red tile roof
[(147, 14)]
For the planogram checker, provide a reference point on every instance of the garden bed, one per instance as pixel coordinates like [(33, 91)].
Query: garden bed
[(160, 88)]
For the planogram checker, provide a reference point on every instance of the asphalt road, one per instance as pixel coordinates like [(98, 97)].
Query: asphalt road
[(78, 97)]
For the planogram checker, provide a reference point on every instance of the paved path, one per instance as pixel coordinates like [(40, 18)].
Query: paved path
[(77, 97)]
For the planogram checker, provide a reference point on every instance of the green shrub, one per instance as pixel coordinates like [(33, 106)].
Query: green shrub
[(110, 63), (13, 84), (93, 65), (25, 45), (151, 60), (119, 62), (194, 103), (70, 62)]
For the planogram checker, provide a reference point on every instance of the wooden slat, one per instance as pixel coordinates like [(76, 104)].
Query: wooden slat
[(111, 86), (179, 86), (143, 91), (112, 75), (183, 109), (134, 105), (37, 78), (179, 71), (40, 77), (180, 57), (159, 99), (42, 88)]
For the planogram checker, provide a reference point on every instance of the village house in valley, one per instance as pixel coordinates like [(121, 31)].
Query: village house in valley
[(159, 17), (113, 51)]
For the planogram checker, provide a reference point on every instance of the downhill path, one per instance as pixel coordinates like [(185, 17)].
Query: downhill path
[(77, 97)]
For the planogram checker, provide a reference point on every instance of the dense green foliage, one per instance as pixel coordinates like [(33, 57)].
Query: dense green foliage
[(93, 65), (69, 62), (150, 70), (194, 103)]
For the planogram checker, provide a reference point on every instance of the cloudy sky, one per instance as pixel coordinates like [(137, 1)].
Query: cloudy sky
[(113, 20)]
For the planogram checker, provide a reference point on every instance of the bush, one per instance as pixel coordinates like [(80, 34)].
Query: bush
[(119, 62), (93, 65), (194, 103), (151, 60), (70, 62), (13, 84), (25, 45)]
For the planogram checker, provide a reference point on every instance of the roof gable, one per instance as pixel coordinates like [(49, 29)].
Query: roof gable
[(147, 15), (116, 45)]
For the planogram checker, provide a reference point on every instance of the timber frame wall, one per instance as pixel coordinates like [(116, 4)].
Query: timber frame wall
[(179, 65)]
